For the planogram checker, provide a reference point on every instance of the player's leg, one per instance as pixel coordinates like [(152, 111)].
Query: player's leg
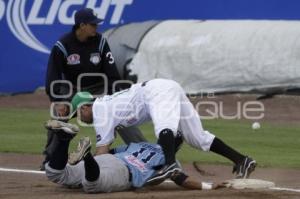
[(57, 169), (131, 134), (90, 166), (114, 175), (51, 143), (83, 152), (52, 139), (163, 104), (164, 108), (49, 147), (156, 159), (59, 157), (64, 133), (196, 136), (178, 141)]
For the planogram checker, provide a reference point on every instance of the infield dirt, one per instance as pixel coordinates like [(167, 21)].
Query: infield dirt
[(280, 109)]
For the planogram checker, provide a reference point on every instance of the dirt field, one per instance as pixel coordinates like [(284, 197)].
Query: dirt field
[(21, 185), (281, 109)]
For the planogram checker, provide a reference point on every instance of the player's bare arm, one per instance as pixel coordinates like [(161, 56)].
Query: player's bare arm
[(193, 183), (102, 149)]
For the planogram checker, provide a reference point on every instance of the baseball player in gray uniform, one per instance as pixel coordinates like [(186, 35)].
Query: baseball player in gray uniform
[(165, 103), (130, 167)]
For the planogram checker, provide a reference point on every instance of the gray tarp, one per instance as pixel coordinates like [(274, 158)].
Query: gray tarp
[(125, 40), (214, 56)]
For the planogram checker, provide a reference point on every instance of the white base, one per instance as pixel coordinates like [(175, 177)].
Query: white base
[(250, 184)]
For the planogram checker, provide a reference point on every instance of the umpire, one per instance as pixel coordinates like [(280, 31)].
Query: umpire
[(75, 57)]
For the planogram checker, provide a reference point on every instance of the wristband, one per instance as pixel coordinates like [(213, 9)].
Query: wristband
[(206, 185)]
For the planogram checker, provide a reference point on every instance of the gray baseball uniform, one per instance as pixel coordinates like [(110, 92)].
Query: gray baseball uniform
[(114, 175)]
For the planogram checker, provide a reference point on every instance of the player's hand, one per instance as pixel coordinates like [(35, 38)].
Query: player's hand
[(61, 110), (219, 185)]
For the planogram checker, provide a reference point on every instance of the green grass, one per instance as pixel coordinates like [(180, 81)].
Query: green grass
[(22, 131)]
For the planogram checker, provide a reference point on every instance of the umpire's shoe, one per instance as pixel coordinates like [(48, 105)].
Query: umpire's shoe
[(244, 168), (62, 129), (163, 174), (83, 148)]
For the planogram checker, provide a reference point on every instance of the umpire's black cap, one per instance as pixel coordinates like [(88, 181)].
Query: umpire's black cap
[(87, 16)]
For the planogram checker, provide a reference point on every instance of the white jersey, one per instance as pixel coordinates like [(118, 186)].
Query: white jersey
[(122, 109), (160, 100)]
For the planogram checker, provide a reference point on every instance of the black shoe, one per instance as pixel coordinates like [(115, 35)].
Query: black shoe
[(245, 168), (163, 174)]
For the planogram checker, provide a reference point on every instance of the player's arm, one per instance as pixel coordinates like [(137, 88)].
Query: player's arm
[(102, 149), (118, 149), (104, 140), (104, 129), (106, 149), (189, 182)]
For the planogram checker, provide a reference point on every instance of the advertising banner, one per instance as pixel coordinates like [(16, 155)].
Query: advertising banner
[(29, 28)]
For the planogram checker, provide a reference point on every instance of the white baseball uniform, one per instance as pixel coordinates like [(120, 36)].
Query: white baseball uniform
[(160, 100)]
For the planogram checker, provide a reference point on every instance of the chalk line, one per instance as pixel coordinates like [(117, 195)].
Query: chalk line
[(21, 171)]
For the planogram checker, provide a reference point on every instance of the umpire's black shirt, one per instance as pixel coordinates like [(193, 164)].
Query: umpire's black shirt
[(70, 57)]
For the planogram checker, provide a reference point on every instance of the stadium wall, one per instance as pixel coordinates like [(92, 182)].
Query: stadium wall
[(30, 28)]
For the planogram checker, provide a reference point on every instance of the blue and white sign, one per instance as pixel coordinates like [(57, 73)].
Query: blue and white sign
[(29, 28)]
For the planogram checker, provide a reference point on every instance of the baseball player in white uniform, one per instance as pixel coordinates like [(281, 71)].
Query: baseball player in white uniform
[(165, 103)]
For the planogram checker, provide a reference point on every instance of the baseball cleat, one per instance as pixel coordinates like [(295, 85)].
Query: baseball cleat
[(245, 168), (166, 172), (55, 125), (83, 148)]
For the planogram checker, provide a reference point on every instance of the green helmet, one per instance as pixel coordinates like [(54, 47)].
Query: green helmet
[(79, 99)]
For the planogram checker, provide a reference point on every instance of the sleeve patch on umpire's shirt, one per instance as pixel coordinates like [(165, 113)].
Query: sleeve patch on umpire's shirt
[(98, 137)]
